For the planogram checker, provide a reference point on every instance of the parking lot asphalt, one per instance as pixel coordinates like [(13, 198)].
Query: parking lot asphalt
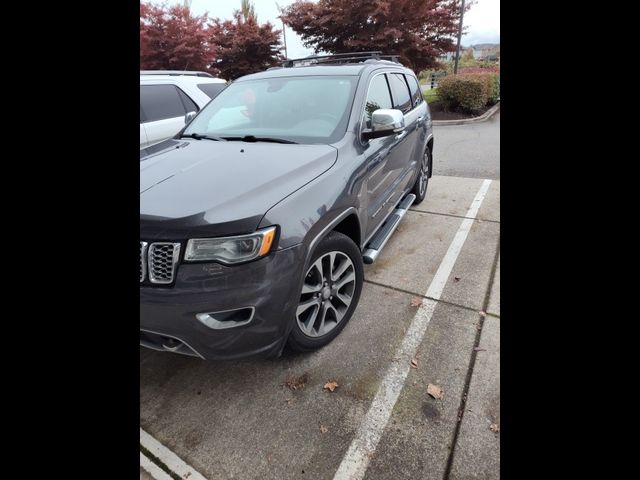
[(471, 150), (240, 420)]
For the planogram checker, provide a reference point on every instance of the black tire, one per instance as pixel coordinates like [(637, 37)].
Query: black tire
[(335, 247), (423, 178)]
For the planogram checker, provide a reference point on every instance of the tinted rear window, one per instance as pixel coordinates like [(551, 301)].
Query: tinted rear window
[(160, 102), (211, 89), (416, 91), (189, 104), (399, 92)]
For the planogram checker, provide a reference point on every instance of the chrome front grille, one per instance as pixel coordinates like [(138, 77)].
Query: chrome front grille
[(143, 260), (158, 262)]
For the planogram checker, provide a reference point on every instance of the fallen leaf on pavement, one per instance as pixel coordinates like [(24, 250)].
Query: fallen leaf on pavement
[(416, 301), (295, 382), (323, 429), (495, 428), (414, 363), (331, 385), (435, 391), (482, 314)]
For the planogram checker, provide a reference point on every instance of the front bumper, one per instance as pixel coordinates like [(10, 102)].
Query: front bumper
[(270, 285)]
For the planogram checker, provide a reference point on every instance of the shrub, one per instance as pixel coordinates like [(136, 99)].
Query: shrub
[(495, 91), (489, 69), (492, 86), (466, 92), (459, 97), (491, 83)]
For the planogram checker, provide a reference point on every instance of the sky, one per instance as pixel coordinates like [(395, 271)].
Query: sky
[(482, 20)]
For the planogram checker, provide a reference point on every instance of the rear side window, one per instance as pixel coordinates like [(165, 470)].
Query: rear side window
[(160, 102), (189, 104), (416, 92), (211, 89), (400, 92), (377, 97)]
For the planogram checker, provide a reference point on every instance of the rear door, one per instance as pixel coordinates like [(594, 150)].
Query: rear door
[(416, 122), (163, 109), (402, 164)]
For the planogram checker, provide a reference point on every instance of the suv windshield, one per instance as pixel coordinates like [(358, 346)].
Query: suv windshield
[(313, 109)]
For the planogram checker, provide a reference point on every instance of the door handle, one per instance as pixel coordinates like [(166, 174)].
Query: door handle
[(420, 118), (401, 135)]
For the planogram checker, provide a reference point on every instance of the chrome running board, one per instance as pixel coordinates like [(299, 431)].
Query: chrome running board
[(379, 240)]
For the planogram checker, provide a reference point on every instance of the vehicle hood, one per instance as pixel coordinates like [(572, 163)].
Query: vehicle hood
[(208, 188)]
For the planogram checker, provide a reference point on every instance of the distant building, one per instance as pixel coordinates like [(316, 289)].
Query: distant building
[(447, 57), (486, 51)]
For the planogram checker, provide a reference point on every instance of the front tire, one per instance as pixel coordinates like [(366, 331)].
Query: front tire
[(422, 182), (330, 293)]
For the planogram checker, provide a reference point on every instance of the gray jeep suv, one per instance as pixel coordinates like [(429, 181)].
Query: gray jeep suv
[(256, 219)]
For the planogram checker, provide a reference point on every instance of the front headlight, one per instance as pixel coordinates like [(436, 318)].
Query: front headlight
[(231, 249)]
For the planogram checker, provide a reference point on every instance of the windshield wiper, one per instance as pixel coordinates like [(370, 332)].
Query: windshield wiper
[(200, 136), (252, 139)]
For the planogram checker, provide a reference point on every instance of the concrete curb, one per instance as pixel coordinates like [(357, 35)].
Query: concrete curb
[(485, 116)]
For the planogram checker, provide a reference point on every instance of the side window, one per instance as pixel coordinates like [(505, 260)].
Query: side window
[(400, 92), (377, 97), (160, 102), (212, 89), (416, 91), (189, 104)]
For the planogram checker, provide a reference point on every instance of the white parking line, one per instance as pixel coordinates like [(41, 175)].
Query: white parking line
[(166, 456), (356, 460), (152, 469)]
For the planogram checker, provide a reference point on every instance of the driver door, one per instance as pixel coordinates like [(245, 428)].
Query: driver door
[(379, 155)]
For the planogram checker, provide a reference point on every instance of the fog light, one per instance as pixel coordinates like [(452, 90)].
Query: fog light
[(227, 318)]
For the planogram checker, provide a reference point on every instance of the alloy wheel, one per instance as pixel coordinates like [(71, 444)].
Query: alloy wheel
[(327, 292)]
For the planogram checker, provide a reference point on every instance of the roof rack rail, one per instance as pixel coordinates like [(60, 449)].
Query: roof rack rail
[(190, 73), (351, 57)]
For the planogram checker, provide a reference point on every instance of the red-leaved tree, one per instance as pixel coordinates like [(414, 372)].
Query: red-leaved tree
[(417, 30), (173, 39), (243, 46)]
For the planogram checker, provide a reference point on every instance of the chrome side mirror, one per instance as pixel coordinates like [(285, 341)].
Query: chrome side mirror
[(188, 117), (385, 122)]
